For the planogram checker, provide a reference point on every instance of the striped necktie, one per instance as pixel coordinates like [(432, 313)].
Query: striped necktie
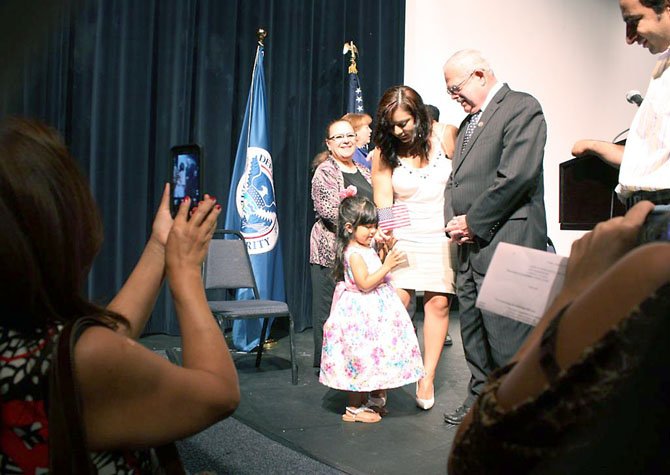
[(470, 128)]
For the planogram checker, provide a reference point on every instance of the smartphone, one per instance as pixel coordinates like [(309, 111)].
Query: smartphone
[(657, 225), (186, 175)]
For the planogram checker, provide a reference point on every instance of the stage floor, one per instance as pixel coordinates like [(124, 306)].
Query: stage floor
[(307, 417)]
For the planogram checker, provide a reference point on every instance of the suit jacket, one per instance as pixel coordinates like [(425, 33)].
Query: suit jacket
[(497, 181)]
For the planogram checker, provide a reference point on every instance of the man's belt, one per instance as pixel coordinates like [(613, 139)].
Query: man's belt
[(659, 197)]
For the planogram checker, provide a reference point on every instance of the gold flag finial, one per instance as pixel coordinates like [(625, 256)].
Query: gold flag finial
[(350, 47), (261, 34)]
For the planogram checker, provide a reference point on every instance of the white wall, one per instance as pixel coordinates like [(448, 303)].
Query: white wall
[(570, 54)]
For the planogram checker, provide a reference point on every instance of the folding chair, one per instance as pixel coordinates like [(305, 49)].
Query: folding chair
[(227, 266)]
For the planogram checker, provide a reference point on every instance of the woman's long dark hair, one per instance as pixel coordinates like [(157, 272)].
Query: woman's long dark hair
[(406, 98), (357, 211), (50, 230)]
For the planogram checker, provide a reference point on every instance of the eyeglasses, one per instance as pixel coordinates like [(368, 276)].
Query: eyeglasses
[(342, 137), (453, 90)]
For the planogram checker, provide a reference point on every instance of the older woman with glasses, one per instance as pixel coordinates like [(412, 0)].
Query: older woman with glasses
[(334, 172)]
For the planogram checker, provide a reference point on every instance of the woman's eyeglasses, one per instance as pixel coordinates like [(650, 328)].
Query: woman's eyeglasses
[(342, 137)]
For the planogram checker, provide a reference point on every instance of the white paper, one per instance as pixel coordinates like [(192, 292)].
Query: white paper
[(521, 282)]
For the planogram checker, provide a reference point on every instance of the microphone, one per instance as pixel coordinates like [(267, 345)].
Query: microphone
[(634, 97)]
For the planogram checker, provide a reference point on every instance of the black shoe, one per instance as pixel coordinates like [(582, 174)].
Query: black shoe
[(448, 341), (457, 416)]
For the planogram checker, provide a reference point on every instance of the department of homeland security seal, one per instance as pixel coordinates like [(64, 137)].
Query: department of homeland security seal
[(255, 199)]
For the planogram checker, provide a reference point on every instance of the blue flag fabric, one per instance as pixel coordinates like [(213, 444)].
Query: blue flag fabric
[(355, 95), (252, 208)]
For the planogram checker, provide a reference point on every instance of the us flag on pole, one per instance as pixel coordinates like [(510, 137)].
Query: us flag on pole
[(355, 96), (396, 216)]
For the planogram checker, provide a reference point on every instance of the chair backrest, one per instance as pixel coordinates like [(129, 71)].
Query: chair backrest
[(227, 265)]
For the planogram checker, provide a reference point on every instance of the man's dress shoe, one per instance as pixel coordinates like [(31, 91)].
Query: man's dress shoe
[(457, 416)]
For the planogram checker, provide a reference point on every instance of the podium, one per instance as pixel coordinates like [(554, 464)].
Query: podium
[(586, 193)]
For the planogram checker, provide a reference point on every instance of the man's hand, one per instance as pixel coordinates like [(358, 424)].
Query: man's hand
[(459, 232)]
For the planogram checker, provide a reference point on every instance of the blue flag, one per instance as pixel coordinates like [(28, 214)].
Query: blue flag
[(252, 208), (355, 95)]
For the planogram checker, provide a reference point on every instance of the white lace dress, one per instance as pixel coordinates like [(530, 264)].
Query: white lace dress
[(429, 252)]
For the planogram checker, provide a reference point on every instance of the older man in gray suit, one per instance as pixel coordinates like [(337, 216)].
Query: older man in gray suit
[(495, 194)]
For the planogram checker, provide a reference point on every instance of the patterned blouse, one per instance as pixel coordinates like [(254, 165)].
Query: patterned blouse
[(607, 413), (327, 182), (24, 431)]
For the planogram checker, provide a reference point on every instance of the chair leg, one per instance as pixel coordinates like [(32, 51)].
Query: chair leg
[(261, 341), (294, 365)]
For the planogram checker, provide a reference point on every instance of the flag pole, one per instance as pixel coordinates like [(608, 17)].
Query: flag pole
[(261, 34)]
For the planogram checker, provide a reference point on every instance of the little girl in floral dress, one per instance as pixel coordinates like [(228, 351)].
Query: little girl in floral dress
[(369, 343)]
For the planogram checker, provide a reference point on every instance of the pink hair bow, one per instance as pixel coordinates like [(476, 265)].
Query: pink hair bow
[(348, 192)]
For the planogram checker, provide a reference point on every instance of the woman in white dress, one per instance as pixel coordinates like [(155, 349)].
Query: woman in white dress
[(411, 166)]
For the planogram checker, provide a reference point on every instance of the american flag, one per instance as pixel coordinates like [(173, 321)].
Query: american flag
[(355, 95), (396, 216)]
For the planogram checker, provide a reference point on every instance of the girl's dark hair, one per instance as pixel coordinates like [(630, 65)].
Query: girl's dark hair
[(357, 211), (406, 98), (50, 230)]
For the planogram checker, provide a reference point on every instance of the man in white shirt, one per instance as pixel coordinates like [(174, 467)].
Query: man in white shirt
[(644, 161)]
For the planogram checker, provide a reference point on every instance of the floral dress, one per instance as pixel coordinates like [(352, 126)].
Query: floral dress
[(368, 340)]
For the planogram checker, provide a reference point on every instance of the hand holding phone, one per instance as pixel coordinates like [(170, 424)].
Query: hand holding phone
[(186, 176)]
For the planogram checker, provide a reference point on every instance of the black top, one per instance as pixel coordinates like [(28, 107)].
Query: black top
[(363, 187)]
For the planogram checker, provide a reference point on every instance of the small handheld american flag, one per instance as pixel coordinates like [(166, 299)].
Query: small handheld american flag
[(396, 216)]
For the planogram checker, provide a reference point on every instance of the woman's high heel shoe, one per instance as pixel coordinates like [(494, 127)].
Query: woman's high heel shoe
[(424, 404)]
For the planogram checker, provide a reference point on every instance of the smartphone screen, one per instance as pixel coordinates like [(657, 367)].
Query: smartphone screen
[(186, 175)]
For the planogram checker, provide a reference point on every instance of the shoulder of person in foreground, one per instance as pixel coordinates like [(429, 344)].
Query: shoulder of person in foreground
[(585, 322), (601, 264)]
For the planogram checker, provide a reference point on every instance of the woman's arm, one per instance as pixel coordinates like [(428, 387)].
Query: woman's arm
[(132, 397), (137, 297), (596, 271), (382, 186)]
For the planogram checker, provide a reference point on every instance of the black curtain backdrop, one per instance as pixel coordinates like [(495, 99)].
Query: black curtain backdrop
[(124, 81)]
